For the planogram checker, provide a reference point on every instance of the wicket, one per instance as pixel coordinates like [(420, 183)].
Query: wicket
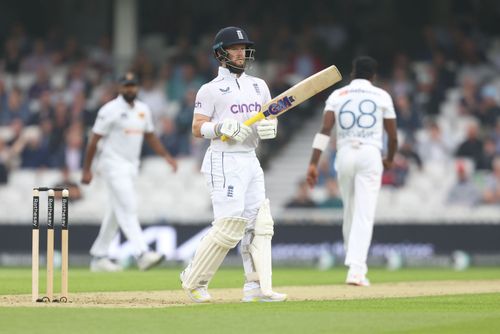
[(50, 245)]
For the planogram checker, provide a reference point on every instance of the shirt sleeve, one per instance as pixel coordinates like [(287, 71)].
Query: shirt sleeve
[(330, 104), (266, 97), (204, 104), (149, 126), (389, 111), (104, 121)]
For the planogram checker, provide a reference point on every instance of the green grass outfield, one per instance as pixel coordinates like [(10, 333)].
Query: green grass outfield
[(478, 313)]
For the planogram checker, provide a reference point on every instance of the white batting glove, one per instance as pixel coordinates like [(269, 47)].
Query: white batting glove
[(267, 128), (233, 129)]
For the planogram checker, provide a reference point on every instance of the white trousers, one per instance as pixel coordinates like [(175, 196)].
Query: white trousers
[(236, 184), (359, 169), (121, 213)]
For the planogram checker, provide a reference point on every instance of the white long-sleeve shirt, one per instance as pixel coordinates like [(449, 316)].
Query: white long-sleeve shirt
[(228, 96), (122, 128)]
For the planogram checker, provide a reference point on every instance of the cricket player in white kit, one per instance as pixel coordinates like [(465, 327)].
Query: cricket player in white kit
[(233, 173), (121, 126), (361, 112)]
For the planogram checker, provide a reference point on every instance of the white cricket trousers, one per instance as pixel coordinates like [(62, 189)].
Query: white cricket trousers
[(359, 169), (235, 181), (121, 213)]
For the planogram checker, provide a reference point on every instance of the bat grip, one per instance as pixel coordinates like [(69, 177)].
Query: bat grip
[(254, 119)]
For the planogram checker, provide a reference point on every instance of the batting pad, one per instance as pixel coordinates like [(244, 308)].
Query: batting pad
[(224, 235), (260, 248)]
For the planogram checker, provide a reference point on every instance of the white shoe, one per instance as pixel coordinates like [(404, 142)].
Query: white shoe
[(197, 295), (104, 264), (255, 295), (148, 260), (357, 280)]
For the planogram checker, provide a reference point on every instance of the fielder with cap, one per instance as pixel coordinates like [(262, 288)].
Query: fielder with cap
[(233, 173), (121, 126)]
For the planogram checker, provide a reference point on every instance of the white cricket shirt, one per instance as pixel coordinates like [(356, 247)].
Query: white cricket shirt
[(360, 109), (228, 96), (122, 128)]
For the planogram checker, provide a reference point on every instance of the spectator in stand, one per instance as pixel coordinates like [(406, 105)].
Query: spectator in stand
[(101, 56), (16, 128), (432, 145), (77, 81), (470, 100), (464, 192), (302, 198), (59, 125), (41, 84), (151, 94), (396, 175), (184, 79), (408, 152), (409, 120), (41, 108), (333, 199), (443, 78), (12, 57), (489, 154), (15, 107), (472, 147), (143, 65), (73, 148), (402, 83), (489, 110), (496, 135), (3, 98), (183, 122), (4, 161), (38, 59), (77, 109), (33, 148), (72, 51), (168, 137), (491, 194)]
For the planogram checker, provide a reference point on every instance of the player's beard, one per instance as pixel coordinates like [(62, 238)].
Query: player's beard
[(234, 68), (129, 97)]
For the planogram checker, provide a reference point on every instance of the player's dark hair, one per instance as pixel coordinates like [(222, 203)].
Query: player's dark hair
[(364, 67)]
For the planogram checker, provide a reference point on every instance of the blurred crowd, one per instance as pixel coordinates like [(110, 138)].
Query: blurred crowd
[(445, 92)]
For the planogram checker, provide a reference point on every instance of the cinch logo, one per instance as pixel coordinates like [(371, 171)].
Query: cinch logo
[(281, 105), (242, 108)]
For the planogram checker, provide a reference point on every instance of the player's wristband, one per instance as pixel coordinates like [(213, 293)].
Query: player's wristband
[(207, 130), (321, 142)]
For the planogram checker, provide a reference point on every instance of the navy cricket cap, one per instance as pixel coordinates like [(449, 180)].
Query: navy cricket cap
[(128, 79)]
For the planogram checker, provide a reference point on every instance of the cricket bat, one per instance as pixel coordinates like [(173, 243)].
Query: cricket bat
[(297, 94)]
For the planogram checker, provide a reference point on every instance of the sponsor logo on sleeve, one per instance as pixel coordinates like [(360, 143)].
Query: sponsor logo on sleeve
[(197, 104)]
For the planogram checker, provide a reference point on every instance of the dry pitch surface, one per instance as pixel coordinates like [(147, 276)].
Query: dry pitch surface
[(153, 299)]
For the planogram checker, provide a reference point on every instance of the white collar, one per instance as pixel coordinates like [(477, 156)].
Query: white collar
[(122, 101), (361, 82), (224, 72)]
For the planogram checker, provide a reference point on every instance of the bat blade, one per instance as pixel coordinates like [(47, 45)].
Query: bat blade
[(297, 94)]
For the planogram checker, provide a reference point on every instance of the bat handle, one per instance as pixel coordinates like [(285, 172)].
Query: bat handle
[(254, 119)]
